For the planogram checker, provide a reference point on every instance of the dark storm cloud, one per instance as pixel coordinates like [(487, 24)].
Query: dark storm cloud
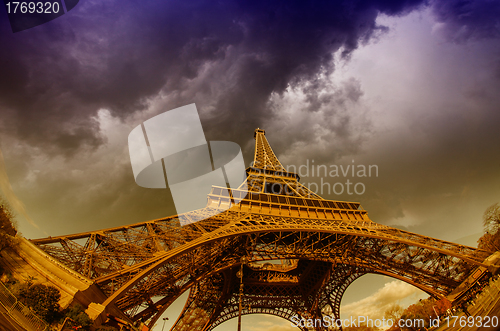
[(119, 54), (468, 19), (327, 122)]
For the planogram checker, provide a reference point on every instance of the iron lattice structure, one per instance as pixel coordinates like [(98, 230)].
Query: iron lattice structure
[(323, 246)]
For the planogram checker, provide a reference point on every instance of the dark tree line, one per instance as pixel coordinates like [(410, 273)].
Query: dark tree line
[(8, 229)]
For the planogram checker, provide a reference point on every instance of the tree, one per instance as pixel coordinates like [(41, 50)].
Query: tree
[(43, 299), (491, 219), (490, 241), (394, 313), (420, 314), (7, 227), (442, 306), (79, 317)]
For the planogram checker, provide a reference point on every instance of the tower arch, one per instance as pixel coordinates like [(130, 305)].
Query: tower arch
[(333, 243)]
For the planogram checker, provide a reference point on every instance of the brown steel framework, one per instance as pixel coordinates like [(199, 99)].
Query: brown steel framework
[(322, 246)]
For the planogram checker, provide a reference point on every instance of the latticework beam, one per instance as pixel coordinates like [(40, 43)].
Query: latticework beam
[(279, 219)]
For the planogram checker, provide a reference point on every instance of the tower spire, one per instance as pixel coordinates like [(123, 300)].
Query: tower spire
[(264, 157), (267, 174)]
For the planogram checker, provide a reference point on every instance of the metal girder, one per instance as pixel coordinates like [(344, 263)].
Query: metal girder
[(279, 219), (313, 291)]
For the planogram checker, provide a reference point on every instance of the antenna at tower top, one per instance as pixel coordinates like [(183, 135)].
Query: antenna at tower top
[(264, 156), (258, 131)]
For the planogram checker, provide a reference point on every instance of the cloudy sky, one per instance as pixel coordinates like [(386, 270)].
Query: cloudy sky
[(410, 86)]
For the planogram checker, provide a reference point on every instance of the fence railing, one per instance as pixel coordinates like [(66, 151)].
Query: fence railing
[(19, 312)]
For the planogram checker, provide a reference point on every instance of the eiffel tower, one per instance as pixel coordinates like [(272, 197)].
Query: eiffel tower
[(283, 250)]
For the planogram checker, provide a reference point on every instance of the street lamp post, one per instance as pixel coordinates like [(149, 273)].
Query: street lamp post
[(164, 320), (240, 275)]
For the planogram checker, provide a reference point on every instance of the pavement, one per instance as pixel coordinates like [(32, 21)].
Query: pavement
[(484, 310)]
